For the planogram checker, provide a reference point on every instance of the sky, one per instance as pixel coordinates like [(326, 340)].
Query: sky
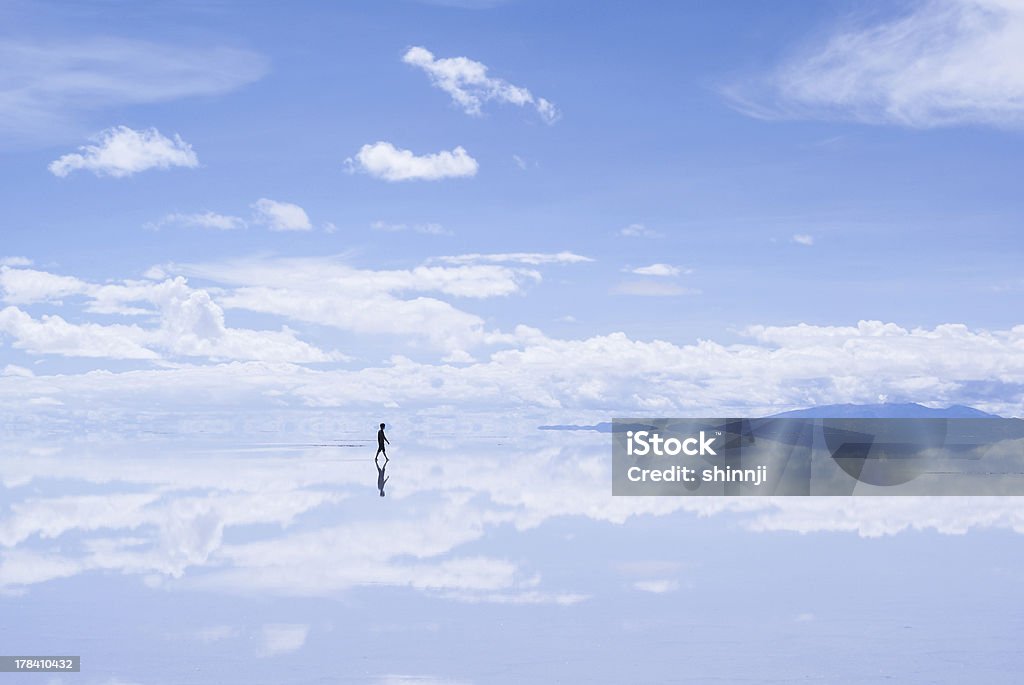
[(595, 211), (237, 236)]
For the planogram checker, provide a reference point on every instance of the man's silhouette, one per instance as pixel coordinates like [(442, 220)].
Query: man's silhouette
[(381, 440)]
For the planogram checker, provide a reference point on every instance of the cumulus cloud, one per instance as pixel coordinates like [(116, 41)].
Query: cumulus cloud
[(535, 258), (211, 220), (53, 335), (773, 368), (943, 62), (25, 286), (281, 216), (329, 292), (14, 370), (803, 239), (469, 86), (189, 322), (121, 151), (666, 270), (57, 81), (385, 161)]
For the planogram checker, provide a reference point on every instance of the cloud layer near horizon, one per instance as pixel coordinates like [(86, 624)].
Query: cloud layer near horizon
[(461, 360)]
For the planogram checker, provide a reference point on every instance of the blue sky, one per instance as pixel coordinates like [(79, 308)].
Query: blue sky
[(238, 234), (682, 140)]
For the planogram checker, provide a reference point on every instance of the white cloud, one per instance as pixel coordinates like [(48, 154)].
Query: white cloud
[(775, 368), (535, 258), (779, 368), (427, 229), (121, 151), (211, 220), (803, 239), (639, 231), (658, 587), (48, 85), (385, 161), (330, 293), (24, 286), (281, 216), (15, 370), (53, 335), (190, 322), (944, 62), (469, 86), (652, 289), (666, 270), (15, 261), (282, 638)]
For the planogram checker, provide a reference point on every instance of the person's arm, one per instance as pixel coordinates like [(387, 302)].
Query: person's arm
[(386, 440)]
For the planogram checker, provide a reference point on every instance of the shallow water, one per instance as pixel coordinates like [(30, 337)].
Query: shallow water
[(161, 558)]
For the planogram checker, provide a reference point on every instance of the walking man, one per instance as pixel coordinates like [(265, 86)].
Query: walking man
[(381, 441)]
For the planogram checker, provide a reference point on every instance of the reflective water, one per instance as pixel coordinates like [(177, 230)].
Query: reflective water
[(274, 559)]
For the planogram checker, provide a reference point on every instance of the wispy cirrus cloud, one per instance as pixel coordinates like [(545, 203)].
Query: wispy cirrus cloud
[(121, 151), (943, 62), (385, 161), (47, 86), (469, 85)]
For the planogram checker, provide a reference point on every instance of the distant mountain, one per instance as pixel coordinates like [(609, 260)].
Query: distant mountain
[(909, 410)]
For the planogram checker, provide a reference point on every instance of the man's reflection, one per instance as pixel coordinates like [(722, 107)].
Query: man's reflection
[(381, 478)]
